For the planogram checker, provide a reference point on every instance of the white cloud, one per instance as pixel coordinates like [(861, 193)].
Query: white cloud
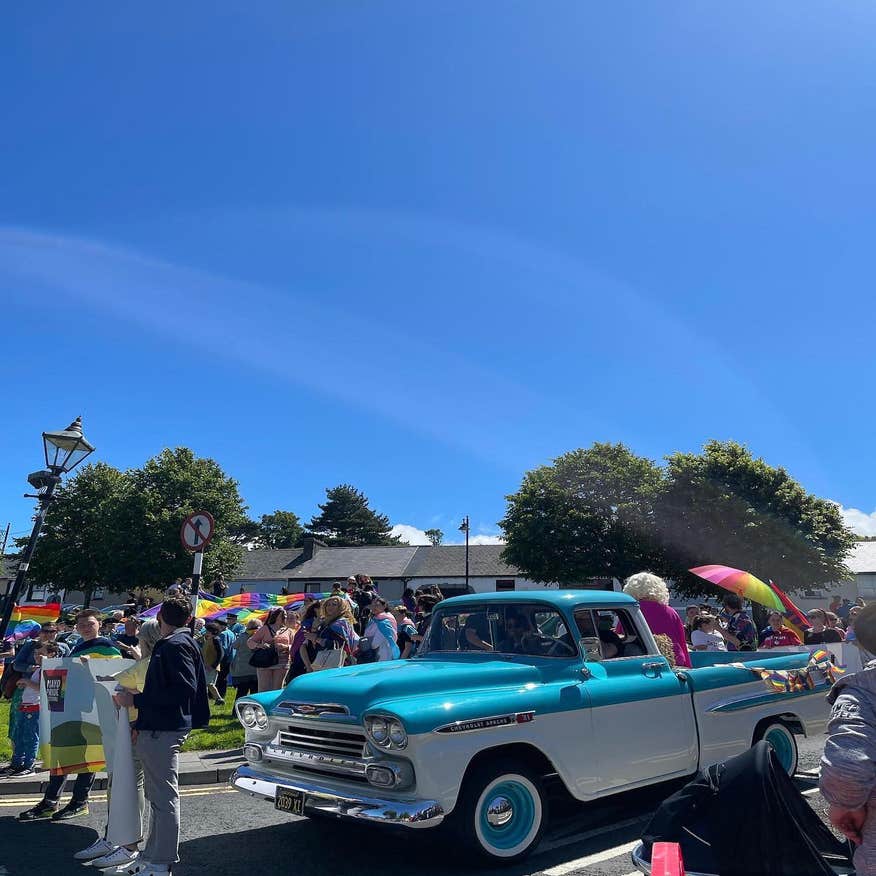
[(409, 534), (414, 536), (859, 521), (485, 539)]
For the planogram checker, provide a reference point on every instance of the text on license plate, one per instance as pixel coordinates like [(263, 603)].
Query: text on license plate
[(289, 801)]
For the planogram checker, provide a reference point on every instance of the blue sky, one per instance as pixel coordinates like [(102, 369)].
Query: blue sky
[(424, 247)]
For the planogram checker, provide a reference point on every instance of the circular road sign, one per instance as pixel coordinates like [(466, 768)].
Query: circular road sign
[(197, 530)]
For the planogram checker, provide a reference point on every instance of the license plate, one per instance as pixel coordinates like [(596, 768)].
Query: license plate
[(289, 801)]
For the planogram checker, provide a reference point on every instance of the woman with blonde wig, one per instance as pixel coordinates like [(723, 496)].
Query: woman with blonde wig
[(653, 596)]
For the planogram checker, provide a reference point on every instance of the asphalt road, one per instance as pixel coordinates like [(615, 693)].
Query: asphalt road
[(228, 833)]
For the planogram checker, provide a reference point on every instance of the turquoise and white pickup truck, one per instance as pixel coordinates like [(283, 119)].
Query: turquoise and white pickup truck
[(507, 689)]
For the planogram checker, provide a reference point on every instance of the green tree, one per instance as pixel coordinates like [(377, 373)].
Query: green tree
[(81, 541), (436, 536), (166, 489), (589, 514), (724, 506), (282, 529), (347, 519)]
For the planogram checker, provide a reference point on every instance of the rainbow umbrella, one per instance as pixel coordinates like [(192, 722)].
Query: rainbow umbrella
[(741, 583)]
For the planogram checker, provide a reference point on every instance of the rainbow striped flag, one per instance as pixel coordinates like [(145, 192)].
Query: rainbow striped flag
[(246, 605), (796, 620), (39, 614)]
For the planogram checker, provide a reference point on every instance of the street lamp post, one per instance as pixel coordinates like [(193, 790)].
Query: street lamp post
[(64, 451), (465, 526)]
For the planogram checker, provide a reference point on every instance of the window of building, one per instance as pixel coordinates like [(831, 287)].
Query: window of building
[(504, 584), (309, 587)]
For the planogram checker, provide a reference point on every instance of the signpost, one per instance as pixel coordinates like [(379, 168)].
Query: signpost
[(196, 532)]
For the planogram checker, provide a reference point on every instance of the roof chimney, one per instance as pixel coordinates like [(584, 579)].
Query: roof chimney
[(311, 545)]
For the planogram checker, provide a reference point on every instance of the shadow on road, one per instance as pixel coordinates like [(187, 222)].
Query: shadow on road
[(26, 849)]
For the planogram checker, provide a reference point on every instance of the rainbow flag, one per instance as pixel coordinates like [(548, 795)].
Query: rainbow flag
[(39, 614), (796, 620), (246, 605)]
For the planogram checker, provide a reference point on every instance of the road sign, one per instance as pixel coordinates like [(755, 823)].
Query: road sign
[(197, 530)]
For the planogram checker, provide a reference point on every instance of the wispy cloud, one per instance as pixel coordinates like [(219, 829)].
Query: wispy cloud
[(859, 521)]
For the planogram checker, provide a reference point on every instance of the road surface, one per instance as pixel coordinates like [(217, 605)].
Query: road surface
[(229, 833)]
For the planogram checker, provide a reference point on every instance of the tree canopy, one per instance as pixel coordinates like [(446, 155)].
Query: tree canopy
[(605, 511), (282, 529), (121, 529), (436, 536), (347, 520)]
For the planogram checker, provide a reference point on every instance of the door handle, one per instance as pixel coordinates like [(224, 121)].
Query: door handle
[(653, 666)]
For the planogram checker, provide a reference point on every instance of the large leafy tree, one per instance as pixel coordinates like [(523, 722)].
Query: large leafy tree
[(166, 489), (725, 506), (589, 514), (347, 519), (82, 540), (605, 511), (282, 529)]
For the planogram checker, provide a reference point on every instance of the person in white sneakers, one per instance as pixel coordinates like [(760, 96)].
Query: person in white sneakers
[(172, 704)]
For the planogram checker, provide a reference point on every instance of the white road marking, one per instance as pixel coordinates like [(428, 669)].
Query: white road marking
[(589, 834), (598, 857)]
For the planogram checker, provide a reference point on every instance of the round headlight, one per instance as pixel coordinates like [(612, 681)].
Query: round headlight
[(379, 730), (248, 715), (397, 734), (261, 717)]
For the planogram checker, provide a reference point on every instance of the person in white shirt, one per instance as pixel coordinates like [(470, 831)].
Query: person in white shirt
[(706, 635)]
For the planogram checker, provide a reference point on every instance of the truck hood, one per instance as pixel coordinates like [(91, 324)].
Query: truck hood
[(377, 685)]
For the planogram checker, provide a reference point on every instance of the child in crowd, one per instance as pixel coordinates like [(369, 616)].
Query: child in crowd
[(26, 743), (848, 765), (706, 635)]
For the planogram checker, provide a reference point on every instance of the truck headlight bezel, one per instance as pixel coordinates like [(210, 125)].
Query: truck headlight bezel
[(386, 732), (252, 715)]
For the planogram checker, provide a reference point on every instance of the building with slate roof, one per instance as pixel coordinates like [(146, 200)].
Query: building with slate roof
[(316, 566)]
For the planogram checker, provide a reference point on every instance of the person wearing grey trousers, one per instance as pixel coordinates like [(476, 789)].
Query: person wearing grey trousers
[(173, 703), (848, 765)]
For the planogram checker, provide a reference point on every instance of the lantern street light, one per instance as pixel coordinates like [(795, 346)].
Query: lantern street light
[(465, 526), (64, 451)]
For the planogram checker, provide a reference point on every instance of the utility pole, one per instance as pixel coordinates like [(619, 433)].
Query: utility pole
[(465, 526)]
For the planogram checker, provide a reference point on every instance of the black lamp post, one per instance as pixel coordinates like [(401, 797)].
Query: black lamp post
[(64, 451), (465, 526)]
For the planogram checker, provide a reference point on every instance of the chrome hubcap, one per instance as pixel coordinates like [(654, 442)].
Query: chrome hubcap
[(499, 812)]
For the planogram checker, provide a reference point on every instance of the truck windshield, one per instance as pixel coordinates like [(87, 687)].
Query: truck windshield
[(514, 628)]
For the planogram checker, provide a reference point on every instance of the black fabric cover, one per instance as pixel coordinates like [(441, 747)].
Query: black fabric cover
[(744, 817)]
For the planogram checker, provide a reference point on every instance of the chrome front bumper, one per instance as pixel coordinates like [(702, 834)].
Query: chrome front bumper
[(329, 801)]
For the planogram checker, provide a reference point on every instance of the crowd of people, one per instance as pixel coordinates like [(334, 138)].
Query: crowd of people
[(354, 624)]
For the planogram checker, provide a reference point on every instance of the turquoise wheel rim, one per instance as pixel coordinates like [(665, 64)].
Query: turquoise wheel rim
[(782, 745), (516, 824)]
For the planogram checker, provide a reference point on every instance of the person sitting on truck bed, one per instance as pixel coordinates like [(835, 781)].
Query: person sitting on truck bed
[(653, 596)]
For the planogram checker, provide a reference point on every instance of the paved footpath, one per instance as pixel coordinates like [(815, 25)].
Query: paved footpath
[(225, 831)]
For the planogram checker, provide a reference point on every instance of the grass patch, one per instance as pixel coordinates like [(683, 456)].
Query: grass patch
[(224, 731), (5, 744)]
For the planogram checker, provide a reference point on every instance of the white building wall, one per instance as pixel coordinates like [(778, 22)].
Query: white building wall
[(480, 584)]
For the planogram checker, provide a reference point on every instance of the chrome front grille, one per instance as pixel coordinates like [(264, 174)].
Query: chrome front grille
[(347, 743)]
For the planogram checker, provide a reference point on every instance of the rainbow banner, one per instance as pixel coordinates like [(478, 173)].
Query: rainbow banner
[(27, 619), (245, 605)]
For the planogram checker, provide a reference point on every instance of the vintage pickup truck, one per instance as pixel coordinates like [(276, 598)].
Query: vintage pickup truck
[(507, 689)]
